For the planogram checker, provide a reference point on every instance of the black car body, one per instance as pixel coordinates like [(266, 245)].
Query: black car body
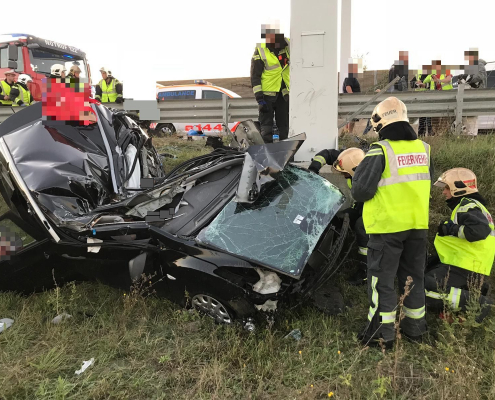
[(232, 232)]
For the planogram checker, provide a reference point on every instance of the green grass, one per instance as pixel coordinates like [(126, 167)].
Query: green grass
[(148, 348)]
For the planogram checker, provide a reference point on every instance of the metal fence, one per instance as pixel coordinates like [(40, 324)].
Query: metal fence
[(452, 103)]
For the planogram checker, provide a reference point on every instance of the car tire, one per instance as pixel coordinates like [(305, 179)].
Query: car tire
[(209, 305), (163, 130)]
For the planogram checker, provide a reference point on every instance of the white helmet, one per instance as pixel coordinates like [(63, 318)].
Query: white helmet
[(24, 79), (461, 181), (348, 160), (57, 69), (106, 70), (387, 112)]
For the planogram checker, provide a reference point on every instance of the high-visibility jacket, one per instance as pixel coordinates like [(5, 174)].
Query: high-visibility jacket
[(109, 92), (24, 95), (401, 201), (456, 250), (420, 89), (445, 86), (6, 92), (273, 74)]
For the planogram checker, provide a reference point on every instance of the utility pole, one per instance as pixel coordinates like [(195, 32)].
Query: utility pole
[(314, 70), (345, 39)]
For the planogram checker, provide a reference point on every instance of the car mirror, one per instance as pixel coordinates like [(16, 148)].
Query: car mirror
[(13, 65)]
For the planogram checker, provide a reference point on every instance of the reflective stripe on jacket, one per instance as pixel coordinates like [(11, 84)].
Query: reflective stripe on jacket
[(6, 92), (273, 74), (24, 95), (475, 256), (401, 201), (109, 92)]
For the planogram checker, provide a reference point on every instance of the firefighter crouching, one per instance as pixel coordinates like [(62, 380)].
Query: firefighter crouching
[(346, 162), (394, 183), (465, 245)]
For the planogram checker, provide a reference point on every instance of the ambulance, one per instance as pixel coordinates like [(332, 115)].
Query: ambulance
[(200, 90)]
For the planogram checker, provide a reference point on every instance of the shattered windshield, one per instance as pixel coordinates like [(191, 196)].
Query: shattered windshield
[(282, 227)]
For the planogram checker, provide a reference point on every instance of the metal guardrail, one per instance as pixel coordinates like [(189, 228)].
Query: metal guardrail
[(452, 103)]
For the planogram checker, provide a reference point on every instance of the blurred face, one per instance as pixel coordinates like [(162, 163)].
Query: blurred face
[(404, 56), (353, 69), (77, 73), (63, 74), (446, 193), (470, 58), (104, 75), (10, 78), (270, 38)]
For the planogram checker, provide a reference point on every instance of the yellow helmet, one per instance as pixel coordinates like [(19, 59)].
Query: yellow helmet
[(387, 112), (348, 160), (461, 181)]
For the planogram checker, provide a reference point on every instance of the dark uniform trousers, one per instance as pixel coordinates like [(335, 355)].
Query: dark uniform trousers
[(450, 285), (400, 254), (280, 108)]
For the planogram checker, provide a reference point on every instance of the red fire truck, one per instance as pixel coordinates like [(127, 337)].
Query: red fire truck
[(28, 54)]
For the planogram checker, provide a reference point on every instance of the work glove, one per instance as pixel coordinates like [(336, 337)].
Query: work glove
[(447, 228), (119, 100), (286, 98), (262, 106)]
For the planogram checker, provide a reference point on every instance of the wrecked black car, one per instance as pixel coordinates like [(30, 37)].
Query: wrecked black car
[(233, 233)]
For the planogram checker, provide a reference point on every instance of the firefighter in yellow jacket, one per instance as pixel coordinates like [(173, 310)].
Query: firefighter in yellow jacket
[(109, 89), (394, 183), (465, 245)]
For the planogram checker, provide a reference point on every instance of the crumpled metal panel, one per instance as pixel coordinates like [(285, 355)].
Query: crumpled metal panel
[(282, 227), (66, 168)]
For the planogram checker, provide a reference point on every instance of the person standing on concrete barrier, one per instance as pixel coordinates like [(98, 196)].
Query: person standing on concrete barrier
[(109, 89), (270, 79), (465, 246), (345, 162), (394, 183), (8, 90)]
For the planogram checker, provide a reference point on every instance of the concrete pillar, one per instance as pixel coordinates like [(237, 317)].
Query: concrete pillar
[(314, 66), (345, 40)]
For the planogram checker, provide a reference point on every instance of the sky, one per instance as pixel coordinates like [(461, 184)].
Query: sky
[(142, 42)]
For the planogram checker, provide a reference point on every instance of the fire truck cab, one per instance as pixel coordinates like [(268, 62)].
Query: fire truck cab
[(31, 55)]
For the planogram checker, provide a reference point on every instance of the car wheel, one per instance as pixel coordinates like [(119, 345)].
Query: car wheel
[(212, 307), (163, 130)]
